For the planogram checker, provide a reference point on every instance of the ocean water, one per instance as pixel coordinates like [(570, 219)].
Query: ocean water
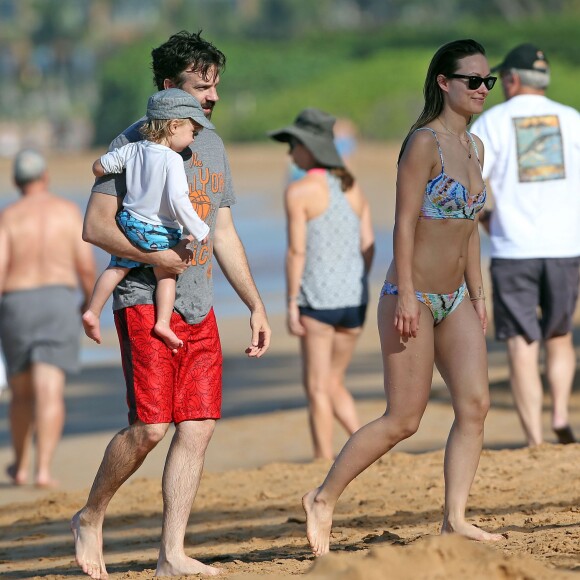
[(264, 238)]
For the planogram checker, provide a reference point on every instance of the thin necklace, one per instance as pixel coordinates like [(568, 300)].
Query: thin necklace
[(458, 138)]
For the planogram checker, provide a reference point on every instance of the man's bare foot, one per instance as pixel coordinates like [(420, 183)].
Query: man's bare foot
[(18, 477), (184, 566), (318, 522), (92, 326), (168, 336), (88, 547), (471, 532)]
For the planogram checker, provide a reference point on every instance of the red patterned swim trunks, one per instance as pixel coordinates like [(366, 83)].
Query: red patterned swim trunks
[(163, 387)]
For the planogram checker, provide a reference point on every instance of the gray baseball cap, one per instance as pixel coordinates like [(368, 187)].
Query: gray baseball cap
[(176, 104), (29, 165)]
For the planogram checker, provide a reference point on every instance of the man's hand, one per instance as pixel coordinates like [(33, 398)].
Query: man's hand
[(175, 260), (261, 334)]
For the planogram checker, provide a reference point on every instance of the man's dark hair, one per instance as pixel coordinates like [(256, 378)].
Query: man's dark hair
[(181, 51)]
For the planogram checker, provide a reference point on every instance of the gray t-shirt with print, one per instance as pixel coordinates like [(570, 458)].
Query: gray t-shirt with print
[(210, 188)]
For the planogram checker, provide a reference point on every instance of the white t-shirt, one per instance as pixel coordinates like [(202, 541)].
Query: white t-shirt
[(157, 189), (532, 161)]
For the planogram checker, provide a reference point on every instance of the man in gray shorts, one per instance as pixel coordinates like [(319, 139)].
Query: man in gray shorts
[(42, 260), (532, 159)]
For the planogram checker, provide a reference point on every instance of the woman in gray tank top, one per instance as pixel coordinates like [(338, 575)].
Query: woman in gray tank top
[(330, 250)]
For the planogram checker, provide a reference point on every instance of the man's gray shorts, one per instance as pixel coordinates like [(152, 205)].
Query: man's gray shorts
[(534, 298), (40, 325)]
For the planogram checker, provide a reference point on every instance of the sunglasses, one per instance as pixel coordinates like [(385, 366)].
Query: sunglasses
[(474, 82)]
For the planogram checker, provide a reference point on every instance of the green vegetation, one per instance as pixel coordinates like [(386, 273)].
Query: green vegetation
[(375, 78)]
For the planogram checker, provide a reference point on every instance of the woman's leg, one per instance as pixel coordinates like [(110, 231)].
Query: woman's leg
[(461, 357), (164, 302), (316, 347), (408, 368), (343, 405)]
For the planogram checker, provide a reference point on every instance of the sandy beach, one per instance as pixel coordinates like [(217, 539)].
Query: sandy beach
[(247, 519)]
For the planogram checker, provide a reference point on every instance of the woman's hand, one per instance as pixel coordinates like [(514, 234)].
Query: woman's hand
[(407, 313), (481, 311), (293, 320)]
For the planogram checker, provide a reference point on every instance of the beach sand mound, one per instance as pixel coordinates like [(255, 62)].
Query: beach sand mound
[(434, 558)]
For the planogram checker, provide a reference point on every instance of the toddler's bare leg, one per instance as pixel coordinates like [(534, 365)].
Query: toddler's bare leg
[(164, 301), (104, 287)]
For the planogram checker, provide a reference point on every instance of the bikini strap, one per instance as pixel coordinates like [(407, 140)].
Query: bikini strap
[(438, 145), (474, 144)]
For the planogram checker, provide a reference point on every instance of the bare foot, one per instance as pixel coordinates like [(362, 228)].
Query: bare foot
[(471, 532), (92, 326), (184, 566), (318, 522), (88, 547), (168, 336), (18, 477), (46, 482)]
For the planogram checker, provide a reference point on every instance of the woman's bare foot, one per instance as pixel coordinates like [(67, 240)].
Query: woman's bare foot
[(318, 522), (46, 482), (17, 476), (470, 531), (168, 336), (92, 326), (184, 566), (88, 547)]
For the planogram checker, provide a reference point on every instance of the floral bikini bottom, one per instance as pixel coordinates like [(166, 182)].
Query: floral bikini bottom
[(440, 305)]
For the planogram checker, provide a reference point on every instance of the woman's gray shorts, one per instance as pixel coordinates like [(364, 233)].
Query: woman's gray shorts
[(40, 325), (534, 298)]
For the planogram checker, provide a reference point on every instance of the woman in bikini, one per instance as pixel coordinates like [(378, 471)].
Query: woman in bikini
[(432, 307)]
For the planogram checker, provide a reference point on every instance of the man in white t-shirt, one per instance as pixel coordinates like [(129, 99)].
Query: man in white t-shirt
[(532, 160)]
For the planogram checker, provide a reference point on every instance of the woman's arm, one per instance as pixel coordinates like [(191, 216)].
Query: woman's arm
[(473, 277), (296, 219), (414, 171), (367, 235)]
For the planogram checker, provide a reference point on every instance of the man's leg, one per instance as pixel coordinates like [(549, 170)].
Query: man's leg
[(123, 456), (560, 369), (181, 477), (526, 386), (49, 412), (21, 424)]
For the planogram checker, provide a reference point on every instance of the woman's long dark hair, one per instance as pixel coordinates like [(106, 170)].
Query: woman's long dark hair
[(444, 62)]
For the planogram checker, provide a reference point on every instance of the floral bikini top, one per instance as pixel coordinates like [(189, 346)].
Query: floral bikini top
[(446, 198)]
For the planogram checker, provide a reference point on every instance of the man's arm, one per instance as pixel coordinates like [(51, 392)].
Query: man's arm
[(231, 256), (100, 229)]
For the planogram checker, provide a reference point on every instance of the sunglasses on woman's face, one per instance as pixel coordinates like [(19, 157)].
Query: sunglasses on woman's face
[(474, 82)]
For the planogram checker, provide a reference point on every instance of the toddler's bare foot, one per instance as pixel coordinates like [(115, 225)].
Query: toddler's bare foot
[(318, 522), (92, 326), (470, 531), (168, 336)]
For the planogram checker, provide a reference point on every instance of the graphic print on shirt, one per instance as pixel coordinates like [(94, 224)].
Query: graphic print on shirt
[(202, 184), (539, 148)]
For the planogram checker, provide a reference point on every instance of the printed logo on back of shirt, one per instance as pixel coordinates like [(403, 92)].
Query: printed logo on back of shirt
[(539, 148)]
